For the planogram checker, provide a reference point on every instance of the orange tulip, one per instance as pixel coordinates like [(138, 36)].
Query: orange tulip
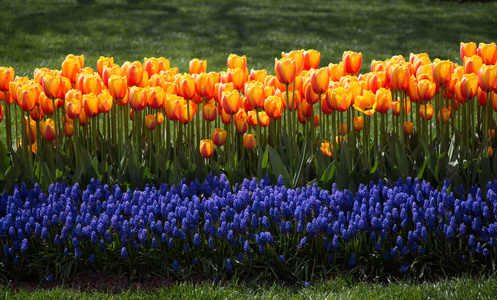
[(204, 84), (383, 100), (68, 127), (47, 129), (326, 148), (339, 99), (6, 77), (184, 118), (187, 87), (238, 77), (352, 62), (412, 91), (418, 60), (73, 108), (90, 104), (157, 80), (210, 111), (472, 64), (104, 102), (134, 73), (294, 105), (46, 104), (150, 122), (342, 129), (219, 136), (366, 103), (320, 80), (424, 72), (235, 61), (225, 118), (255, 94), (309, 94), (273, 107), (442, 71), (55, 86), (89, 83), (469, 86), (172, 106), (137, 98), (258, 75), (197, 66), (108, 72), (72, 66), (336, 71), (396, 107), (241, 124), (31, 128), (155, 65), (488, 53), (325, 107), (358, 123), (317, 120), (118, 87), (429, 111), (206, 148), (27, 97), (426, 89), (104, 62), (445, 113), (298, 57), (231, 102), (490, 151), (285, 70), (375, 81), (408, 128), (155, 97), (377, 66), (487, 78), (493, 98), (467, 49), (400, 76), (249, 141), (311, 59), (264, 119), (37, 113)]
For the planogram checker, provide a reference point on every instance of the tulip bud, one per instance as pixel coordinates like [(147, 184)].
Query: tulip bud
[(358, 123), (249, 141), (408, 128), (206, 148)]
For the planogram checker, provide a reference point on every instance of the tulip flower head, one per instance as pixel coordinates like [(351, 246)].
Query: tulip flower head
[(206, 148), (6, 77)]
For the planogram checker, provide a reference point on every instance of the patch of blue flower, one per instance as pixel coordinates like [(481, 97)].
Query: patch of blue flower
[(177, 228)]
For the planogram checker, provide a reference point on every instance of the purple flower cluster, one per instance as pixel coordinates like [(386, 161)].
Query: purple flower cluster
[(398, 221)]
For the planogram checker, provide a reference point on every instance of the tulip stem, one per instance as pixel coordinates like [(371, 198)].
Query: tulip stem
[(157, 143)]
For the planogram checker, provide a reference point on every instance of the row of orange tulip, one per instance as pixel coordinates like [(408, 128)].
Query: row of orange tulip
[(252, 98)]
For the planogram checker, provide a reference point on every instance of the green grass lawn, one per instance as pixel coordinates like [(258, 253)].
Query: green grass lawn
[(465, 288), (40, 33)]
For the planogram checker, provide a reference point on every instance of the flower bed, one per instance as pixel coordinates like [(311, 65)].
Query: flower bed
[(253, 231)]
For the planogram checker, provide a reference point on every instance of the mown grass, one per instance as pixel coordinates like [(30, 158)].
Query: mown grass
[(40, 33), (463, 288)]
